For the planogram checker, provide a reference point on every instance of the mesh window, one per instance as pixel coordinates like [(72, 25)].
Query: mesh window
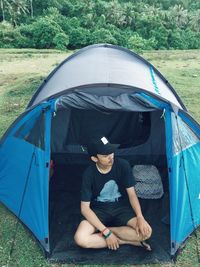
[(32, 131), (183, 136)]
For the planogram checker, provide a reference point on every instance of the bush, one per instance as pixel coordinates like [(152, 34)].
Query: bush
[(137, 43), (61, 41), (78, 37), (6, 35), (9, 36), (119, 35), (102, 36), (161, 36), (44, 33), (192, 39), (27, 32), (177, 39)]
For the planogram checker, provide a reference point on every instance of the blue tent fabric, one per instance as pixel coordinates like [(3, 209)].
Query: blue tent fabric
[(185, 195), (23, 172), (185, 183)]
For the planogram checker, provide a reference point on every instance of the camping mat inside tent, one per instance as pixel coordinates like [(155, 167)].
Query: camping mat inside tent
[(65, 217)]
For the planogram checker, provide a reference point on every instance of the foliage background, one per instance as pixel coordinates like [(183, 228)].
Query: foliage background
[(72, 24)]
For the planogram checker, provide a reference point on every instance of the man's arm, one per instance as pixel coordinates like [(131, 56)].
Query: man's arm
[(89, 214), (86, 195), (143, 226), (134, 201)]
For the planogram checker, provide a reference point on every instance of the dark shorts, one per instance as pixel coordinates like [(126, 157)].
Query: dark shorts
[(113, 213)]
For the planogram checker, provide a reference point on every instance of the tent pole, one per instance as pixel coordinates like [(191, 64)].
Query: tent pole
[(188, 191), (20, 210)]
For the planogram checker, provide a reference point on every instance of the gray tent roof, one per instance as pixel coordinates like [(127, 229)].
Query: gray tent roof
[(106, 65)]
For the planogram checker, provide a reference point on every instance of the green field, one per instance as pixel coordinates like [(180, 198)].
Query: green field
[(21, 72)]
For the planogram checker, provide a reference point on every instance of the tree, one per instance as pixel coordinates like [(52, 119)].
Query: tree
[(15, 8), (2, 10), (178, 16), (100, 8), (195, 21), (115, 14), (160, 24), (186, 3), (31, 8), (145, 23), (129, 15)]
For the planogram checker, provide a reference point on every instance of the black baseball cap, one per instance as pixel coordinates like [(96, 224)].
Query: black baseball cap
[(101, 146)]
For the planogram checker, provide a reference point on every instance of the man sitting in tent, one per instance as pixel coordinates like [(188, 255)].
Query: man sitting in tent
[(109, 204)]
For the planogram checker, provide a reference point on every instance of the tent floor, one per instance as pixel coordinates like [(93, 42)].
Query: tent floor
[(65, 217)]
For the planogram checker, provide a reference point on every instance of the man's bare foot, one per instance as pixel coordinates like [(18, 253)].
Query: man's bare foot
[(145, 245), (142, 244)]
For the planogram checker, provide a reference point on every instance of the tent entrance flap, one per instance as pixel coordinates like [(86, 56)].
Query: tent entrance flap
[(124, 101)]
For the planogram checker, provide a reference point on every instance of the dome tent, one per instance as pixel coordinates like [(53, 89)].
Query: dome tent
[(110, 90)]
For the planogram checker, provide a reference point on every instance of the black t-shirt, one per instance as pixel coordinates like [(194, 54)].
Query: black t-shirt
[(109, 187)]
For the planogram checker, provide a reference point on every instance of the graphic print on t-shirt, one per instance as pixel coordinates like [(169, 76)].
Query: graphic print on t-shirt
[(109, 193)]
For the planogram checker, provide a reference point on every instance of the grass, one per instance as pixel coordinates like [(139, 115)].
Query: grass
[(182, 69), (21, 72)]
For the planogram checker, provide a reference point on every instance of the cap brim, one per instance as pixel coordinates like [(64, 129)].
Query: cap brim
[(111, 148)]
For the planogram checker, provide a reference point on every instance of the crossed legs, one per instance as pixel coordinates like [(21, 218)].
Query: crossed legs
[(87, 237)]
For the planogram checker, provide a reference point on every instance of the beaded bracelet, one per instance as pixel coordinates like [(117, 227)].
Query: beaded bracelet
[(101, 233), (106, 236)]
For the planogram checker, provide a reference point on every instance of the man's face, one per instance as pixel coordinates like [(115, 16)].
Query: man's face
[(105, 160)]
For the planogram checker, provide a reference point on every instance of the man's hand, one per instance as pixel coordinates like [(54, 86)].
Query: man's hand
[(112, 242), (143, 227)]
